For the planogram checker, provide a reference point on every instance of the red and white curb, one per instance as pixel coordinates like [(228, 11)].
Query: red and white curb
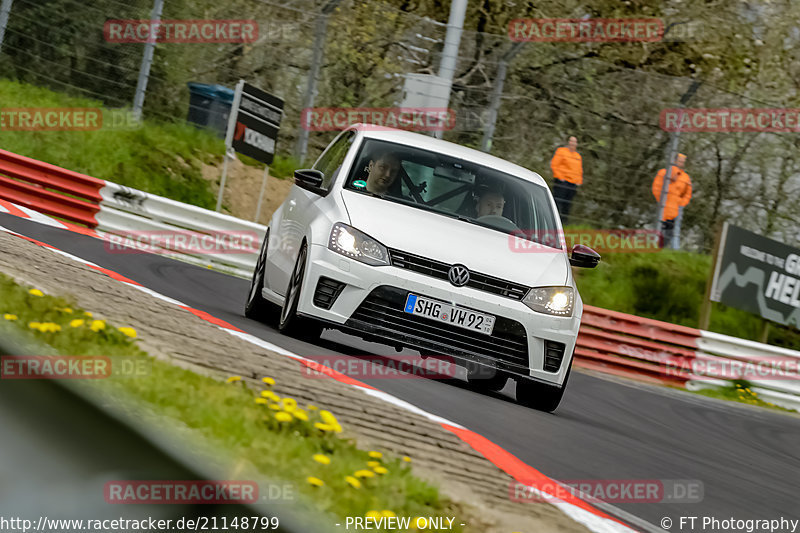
[(577, 509)]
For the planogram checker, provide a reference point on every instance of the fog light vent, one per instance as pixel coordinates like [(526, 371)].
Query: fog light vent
[(327, 291), (553, 355)]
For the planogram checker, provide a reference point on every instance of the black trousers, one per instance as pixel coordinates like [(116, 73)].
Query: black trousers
[(667, 231), (564, 192)]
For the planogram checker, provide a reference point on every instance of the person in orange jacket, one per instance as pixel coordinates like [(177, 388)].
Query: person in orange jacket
[(567, 167), (679, 194)]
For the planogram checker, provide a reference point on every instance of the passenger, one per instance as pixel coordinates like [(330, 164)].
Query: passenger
[(382, 171)]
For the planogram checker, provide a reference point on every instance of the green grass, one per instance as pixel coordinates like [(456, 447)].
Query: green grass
[(227, 414), (669, 285), (160, 158), (739, 391)]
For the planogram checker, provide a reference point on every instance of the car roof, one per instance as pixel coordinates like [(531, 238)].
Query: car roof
[(426, 142)]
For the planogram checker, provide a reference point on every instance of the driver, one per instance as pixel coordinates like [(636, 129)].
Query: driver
[(491, 203), (382, 171)]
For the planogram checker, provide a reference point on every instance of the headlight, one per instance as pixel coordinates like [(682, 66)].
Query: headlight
[(350, 242), (551, 300)]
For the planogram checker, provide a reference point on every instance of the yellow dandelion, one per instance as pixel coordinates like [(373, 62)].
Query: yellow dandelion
[(76, 323), (34, 325), (97, 325), (311, 407), (261, 401), (373, 514), (88, 313), (364, 473), (328, 418), (380, 470), (36, 292), (353, 482), (407, 459), (268, 381), (323, 459), (375, 455), (373, 464), (387, 513), (50, 327), (276, 407), (315, 481), (289, 404), (271, 395), (283, 417), (64, 310), (9, 316), (324, 427), (233, 378), (128, 332), (300, 415)]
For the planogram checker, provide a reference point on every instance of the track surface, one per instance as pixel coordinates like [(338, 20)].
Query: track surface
[(748, 460)]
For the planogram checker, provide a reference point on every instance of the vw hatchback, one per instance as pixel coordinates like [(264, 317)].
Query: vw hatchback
[(416, 242)]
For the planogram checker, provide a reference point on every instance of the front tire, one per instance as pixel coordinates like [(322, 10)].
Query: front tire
[(257, 307), (539, 395), (290, 323)]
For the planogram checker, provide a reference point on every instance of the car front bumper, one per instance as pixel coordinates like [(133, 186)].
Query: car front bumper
[(372, 300)]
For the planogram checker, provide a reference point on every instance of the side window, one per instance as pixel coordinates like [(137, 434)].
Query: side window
[(331, 161)]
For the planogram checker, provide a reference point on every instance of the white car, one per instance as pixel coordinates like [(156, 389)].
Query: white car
[(415, 242)]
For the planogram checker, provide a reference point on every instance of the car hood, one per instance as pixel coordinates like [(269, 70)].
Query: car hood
[(452, 241)]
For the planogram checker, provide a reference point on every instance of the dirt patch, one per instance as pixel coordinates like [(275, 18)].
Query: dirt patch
[(242, 187)]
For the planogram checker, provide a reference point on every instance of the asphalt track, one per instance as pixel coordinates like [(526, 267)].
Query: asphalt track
[(747, 459)]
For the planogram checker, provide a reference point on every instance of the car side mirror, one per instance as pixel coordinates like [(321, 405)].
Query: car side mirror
[(584, 257), (310, 180)]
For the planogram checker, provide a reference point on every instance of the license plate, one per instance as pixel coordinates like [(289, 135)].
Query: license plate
[(450, 314)]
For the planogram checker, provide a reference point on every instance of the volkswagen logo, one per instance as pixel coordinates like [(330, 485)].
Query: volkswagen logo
[(458, 275)]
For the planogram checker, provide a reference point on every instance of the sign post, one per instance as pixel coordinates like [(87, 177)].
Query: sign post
[(252, 130)]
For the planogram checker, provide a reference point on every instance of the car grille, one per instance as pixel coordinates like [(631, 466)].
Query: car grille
[(382, 313), (438, 269)]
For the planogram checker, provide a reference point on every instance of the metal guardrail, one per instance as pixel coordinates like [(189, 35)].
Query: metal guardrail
[(623, 344), (113, 209)]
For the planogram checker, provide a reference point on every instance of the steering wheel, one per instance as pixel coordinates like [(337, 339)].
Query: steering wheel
[(498, 222)]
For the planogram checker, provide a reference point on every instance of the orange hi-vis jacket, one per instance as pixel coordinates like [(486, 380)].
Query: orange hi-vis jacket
[(679, 194), (567, 165)]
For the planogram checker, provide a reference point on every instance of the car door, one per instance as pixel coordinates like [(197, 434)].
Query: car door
[(299, 209)]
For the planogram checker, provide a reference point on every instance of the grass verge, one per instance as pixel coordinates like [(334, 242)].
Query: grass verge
[(293, 444), (740, 391), (157, 157)]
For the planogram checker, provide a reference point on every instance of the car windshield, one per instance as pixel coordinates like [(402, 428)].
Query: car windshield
[(454, 187)]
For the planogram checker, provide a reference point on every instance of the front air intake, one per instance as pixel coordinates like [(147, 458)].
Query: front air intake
[(553, 355), (327, 291)]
